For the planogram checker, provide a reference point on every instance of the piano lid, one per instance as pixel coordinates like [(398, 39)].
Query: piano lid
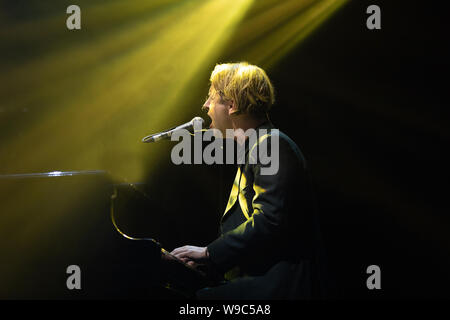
[(52, 174)]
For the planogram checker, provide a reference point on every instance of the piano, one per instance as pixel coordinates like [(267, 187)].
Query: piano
[(52, 221)]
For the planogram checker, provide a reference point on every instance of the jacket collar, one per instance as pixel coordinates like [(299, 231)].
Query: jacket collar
[(267, 125)]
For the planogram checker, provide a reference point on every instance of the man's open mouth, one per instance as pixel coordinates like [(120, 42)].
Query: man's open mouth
[(210, 126)]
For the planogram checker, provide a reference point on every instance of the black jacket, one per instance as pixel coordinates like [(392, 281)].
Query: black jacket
[(269, 231)]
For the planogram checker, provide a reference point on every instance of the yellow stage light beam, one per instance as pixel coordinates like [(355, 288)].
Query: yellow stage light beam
[(93, 108), (294, 32), (270, 33), (142, 85)]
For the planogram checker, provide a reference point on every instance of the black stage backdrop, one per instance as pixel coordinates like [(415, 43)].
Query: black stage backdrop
[(368, 108)]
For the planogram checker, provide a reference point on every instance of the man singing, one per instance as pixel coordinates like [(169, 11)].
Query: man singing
[(268, 246)]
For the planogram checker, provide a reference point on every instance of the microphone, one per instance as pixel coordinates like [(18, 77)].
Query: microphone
[(195, 123)]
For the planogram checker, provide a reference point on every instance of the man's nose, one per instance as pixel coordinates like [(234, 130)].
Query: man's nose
[(205, 107)]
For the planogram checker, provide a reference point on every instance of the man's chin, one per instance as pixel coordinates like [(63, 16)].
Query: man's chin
[(217, 132)]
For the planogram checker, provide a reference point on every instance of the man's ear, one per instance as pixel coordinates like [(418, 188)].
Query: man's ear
[(232, 108)]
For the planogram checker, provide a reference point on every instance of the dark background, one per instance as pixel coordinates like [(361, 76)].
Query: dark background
[(368, 108)]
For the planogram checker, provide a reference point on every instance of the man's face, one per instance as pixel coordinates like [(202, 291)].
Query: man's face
[(218, 111)]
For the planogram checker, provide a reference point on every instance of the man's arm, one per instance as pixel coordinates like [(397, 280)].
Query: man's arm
[(269, 219)]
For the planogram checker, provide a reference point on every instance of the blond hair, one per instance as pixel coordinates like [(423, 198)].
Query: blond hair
[(245, 84)]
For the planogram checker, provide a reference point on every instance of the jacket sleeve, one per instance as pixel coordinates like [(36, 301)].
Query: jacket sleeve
[(269, 218)]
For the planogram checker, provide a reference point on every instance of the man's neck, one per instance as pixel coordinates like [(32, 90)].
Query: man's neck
[(245, 122)]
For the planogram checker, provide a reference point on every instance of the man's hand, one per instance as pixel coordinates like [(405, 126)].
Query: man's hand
[(191, 254)]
